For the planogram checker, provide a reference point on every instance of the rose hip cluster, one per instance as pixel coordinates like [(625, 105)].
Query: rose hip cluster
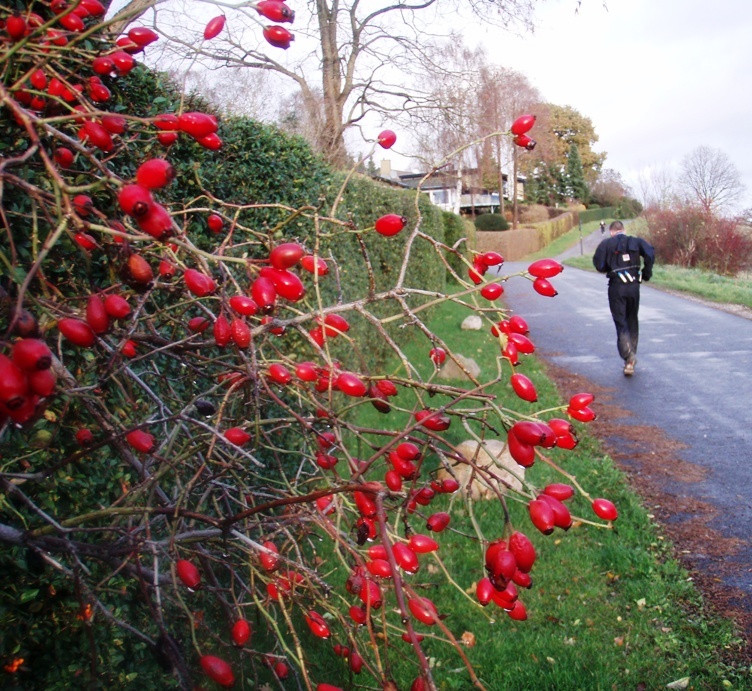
[(235, 311)]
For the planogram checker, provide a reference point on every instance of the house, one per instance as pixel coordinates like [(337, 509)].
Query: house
[(450, 191)]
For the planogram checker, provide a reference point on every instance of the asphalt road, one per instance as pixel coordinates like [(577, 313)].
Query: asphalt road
[(693, 381)]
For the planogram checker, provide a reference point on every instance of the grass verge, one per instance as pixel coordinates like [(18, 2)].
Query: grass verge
[(608, 608)]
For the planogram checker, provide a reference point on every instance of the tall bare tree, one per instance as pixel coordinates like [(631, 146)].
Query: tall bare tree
[(356, 55), (656, 187), (709, 177)]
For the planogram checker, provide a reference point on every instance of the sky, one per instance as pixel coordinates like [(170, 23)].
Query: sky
[(658, 78)]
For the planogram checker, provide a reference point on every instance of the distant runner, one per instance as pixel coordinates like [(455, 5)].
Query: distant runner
[(619, 258)]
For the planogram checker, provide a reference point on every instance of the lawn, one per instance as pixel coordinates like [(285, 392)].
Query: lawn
[(607, 609)]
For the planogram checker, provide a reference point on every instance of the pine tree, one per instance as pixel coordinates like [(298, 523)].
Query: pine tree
[(574, 180)]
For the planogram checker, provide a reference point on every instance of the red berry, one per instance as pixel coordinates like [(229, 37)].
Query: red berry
[(286, 284), (270, 558), (393, 480), (215, 223), (103, 65), (142, 36), (518, 611), (214, 27), (522, 140), (218, 670), (387, 138), (63, 157), (605, 509), (72, 22), (423, 610), (210, 141), (582, 414), (188, 573), (492, 291), (351, 385), (14, 386), (334, 324), (317, 624), (199, 284), (96, 134), (542, 516), (241, 632), (198, 324), (438, 521), (562, 517), (240, 332), (518, 325), (244, 305), (491, 258), (405, 557), (155, 173), (438, 356), (275, 10), (523, 551), (433, 421), (559, 491), (123, 62), (139, 269), (16, 26), (521, 452), (544, 287), (237, 436), (286, 255), (389, 225), (422, 544), (77, 332), (264, 293), (581, 400), (96, 315), (135, 200), (222, 331), (140, 440), (84, 437), (545, 268), (31, 354), (42, 382), (196, 124), (379, 568), (85, 241), (278, 36), (523, 124), (484, 591), (129, 349), (524, 388), (314, 265), (279, 374), (117, 306)]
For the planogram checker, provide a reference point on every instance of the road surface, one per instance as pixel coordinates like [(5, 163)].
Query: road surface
[(685, 412)]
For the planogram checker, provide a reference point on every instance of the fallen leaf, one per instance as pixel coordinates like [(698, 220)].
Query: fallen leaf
[(619, 641), (682, 683), (468, 639)]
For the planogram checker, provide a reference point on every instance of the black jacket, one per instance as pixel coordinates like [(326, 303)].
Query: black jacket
[(609, 257)]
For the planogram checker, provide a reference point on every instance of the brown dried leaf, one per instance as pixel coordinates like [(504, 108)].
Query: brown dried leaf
[(468, 639)]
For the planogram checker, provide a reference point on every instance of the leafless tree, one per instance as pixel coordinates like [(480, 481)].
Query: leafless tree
[(656, 187), (710, 178), (349, 58)]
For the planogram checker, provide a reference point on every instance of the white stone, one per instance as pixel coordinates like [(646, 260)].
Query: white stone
[(452, 370), (496, 469), (472, 323)]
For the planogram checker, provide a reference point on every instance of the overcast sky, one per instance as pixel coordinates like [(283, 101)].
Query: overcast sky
[(657, 77)]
